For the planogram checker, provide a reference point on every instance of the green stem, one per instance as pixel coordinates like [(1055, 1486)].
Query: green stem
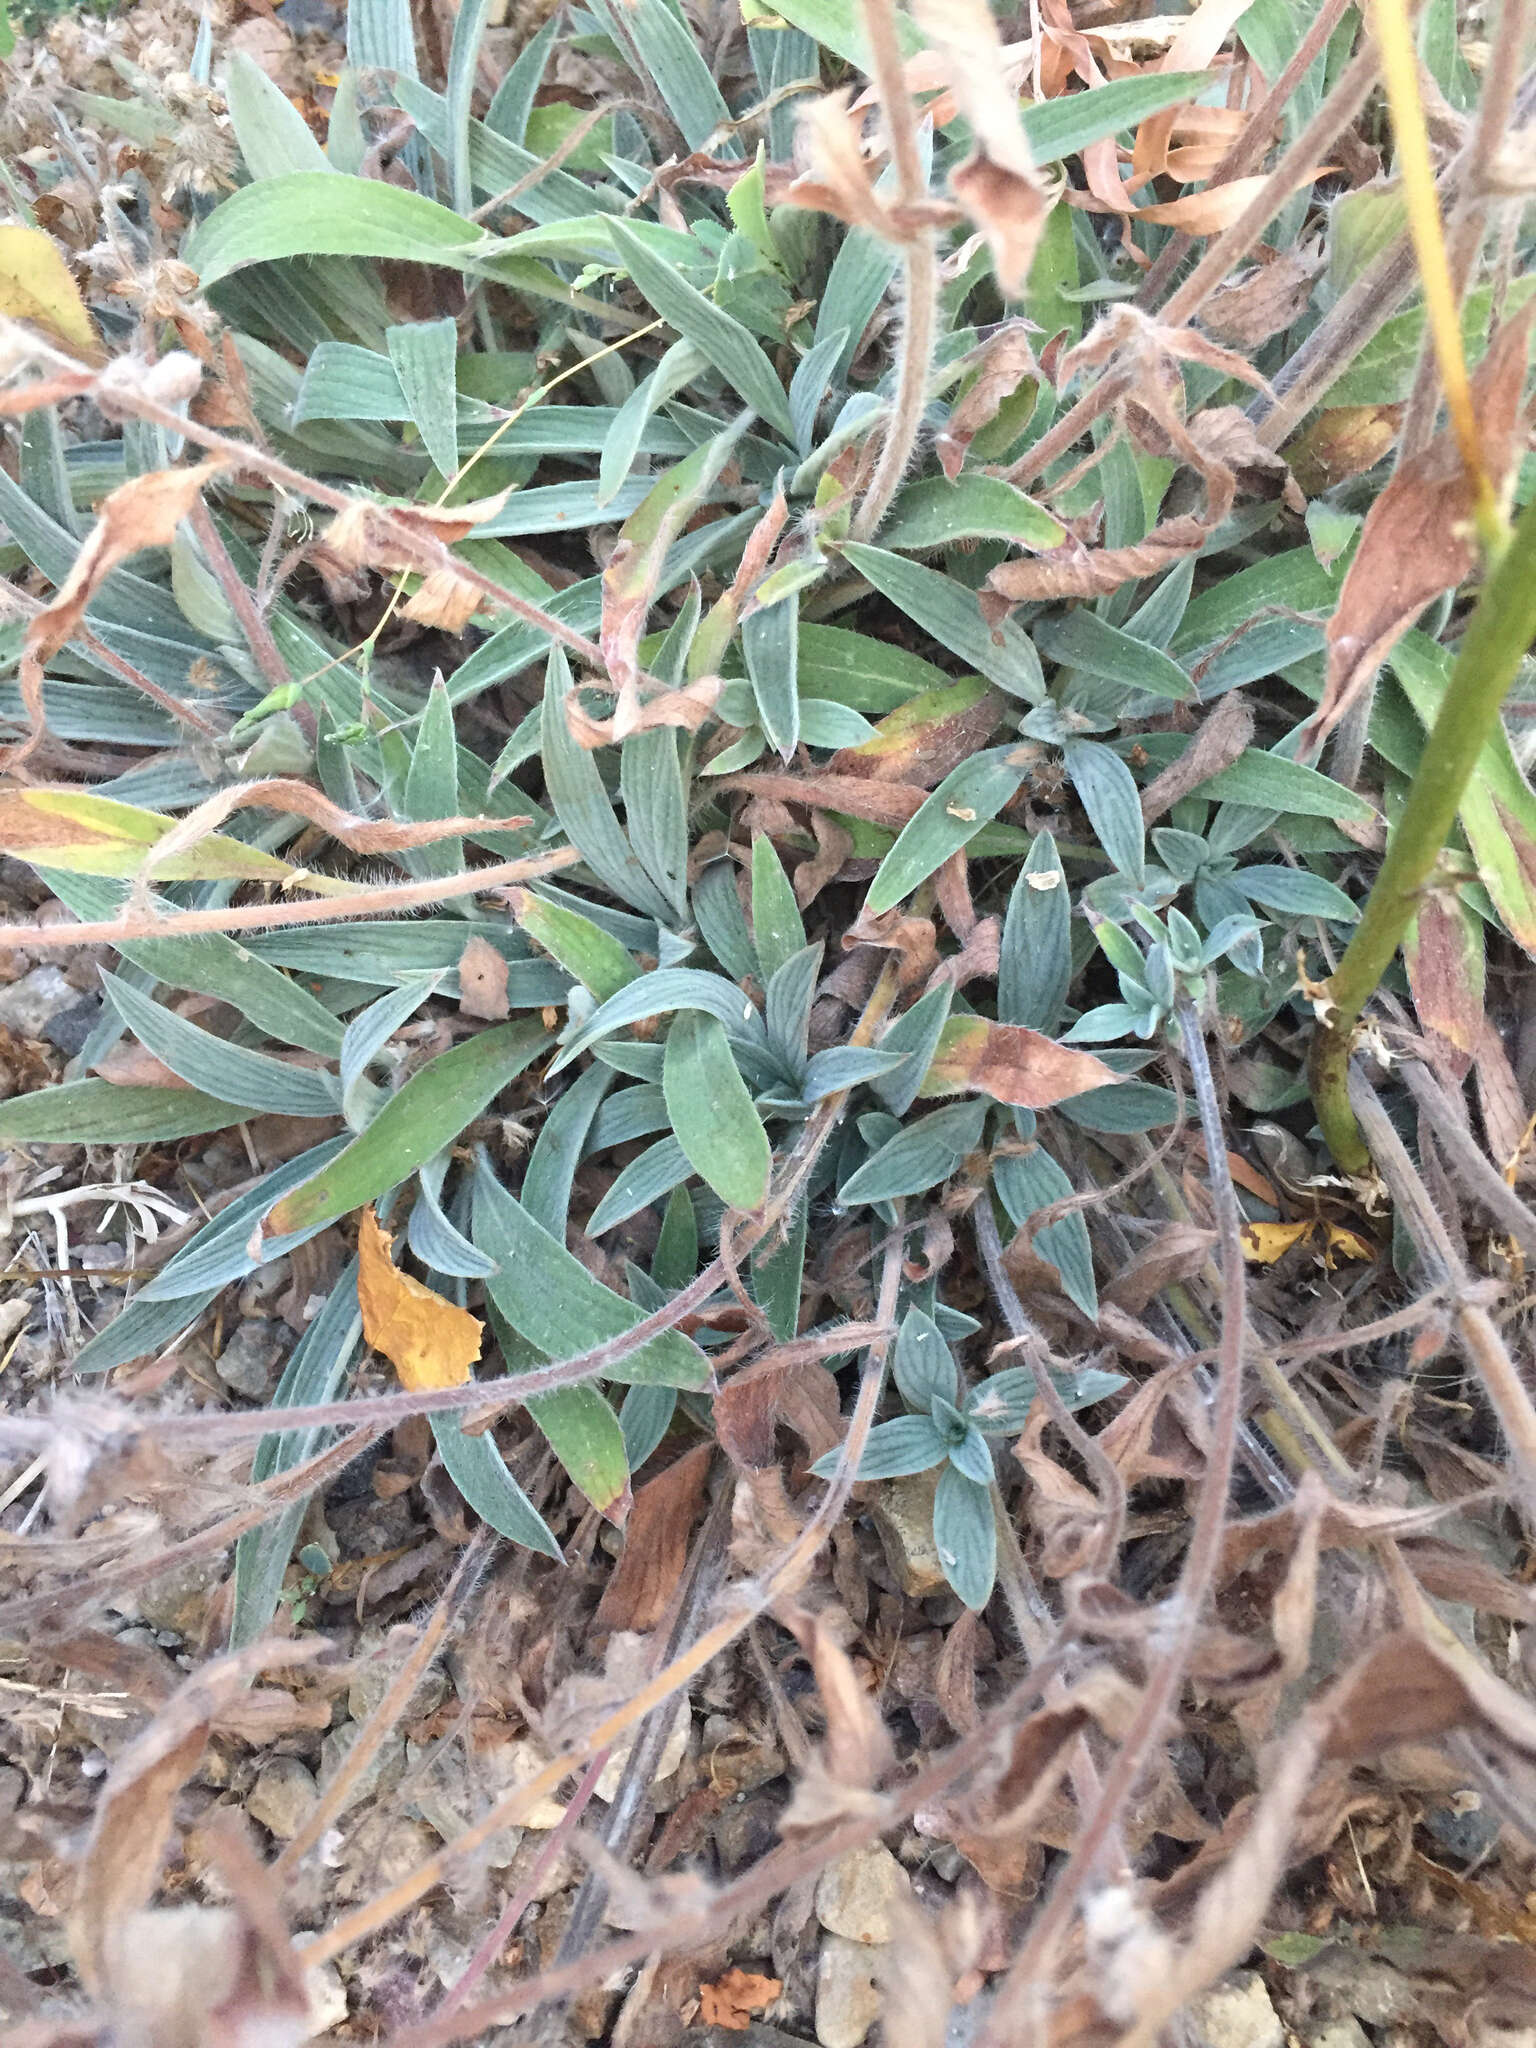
[(1501, 629)]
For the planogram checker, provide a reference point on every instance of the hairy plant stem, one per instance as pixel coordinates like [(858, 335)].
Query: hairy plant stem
[(1501, 629), (1019, 1995), (1507, 1393), (920, 271), (1246, 151), (1332, 118), (260, 917), (920, 297), (1415, 168), (1495, 108)]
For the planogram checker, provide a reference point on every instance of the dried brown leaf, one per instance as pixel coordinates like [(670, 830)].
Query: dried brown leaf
[(1002, 362), (1418, 539), (445, 599), (1219, 739), (1272, 297), (656, 1537), (1011, 1064), (403, 537), (142, 513), (1074, 570), (890, 804), (924, 739), (135, 1812), (732, 1999), (483, 981)]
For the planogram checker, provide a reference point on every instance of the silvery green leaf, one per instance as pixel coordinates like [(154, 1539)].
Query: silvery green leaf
[(645, 1418), (919, 1156), (1295, 892), (894, 1449), (787, 1002), (972, 1457), (1030, 1181), (723, 922), (847, 1066), (915, 1035), (1108, 793), (808, 387), (370, 1030), (1034, 969), (233, 1073), (655, 995), (922, 1363), (770, 641), (778, 930), (658, 1170), (965, 1536)]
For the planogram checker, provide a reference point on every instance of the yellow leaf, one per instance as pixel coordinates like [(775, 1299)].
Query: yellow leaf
[(1264, 1243), (430, 1342), (1347, 1244), (35, 285)]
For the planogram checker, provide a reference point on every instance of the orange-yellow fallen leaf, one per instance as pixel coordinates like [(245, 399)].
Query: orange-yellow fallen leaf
[(733, 1998), (430, 1342), (1266, 1243), (1340, 1243)]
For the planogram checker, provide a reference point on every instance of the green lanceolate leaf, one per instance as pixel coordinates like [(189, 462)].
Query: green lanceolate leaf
[(550, 1298), (209, 1063), (577, 1422), (952, 615), (923, 1364), (98, 1113), (713, 1117), (907, 1444), (968, 798), (1109, 795), (429, 1112), (593, 956), (936, 513), (769, 639), (723, 340), (778, 930), (965, 1536), (1034, 969), (1082, 640), (918, 1157)]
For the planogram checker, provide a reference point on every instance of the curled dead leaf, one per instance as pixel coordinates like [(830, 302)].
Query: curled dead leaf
[(998, 185), (142, 513), (1418, 539), (395, 537)]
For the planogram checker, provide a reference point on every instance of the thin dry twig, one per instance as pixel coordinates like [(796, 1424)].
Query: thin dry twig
[(1028, 1976), (1501, 1378)]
